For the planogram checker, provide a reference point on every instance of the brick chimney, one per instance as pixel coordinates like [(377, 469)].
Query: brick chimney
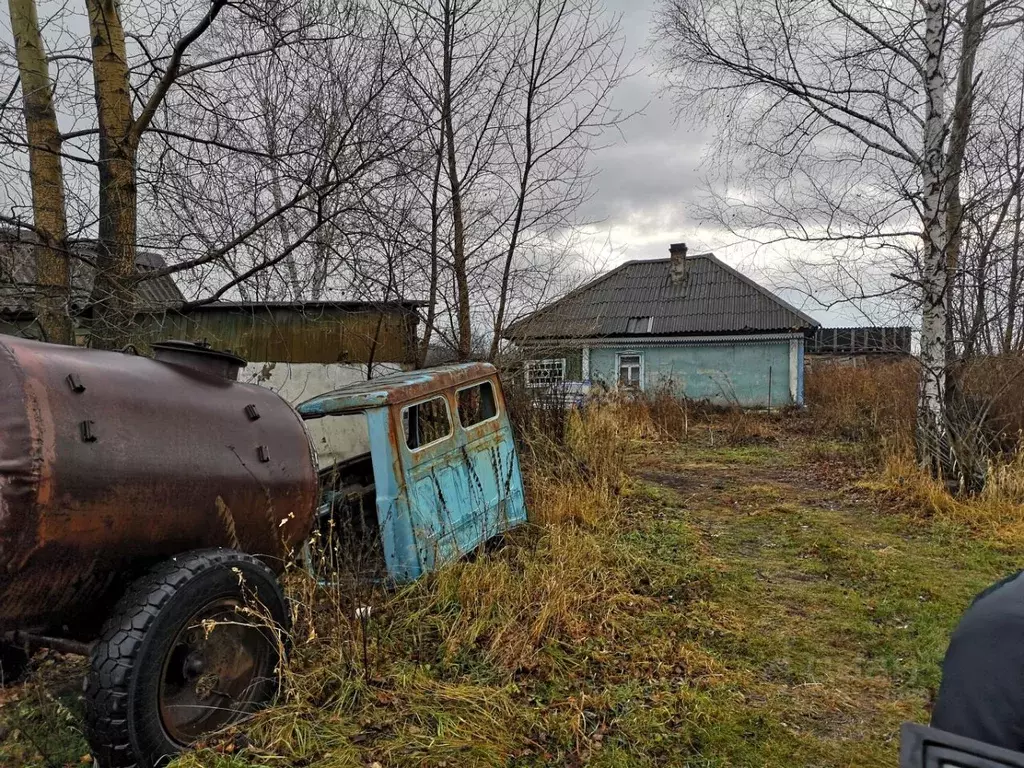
[(677, 271)]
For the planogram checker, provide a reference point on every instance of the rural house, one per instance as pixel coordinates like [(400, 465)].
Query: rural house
[(691, 323)]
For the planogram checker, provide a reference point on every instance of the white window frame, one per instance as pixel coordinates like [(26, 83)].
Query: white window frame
[(618, 367), (497, 407), (447, 410), (531, 365)]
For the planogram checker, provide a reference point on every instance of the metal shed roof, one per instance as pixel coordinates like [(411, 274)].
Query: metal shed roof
[(18, 277), (639, 298)]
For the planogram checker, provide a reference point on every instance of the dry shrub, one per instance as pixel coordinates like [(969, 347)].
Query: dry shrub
[(874, 404), (540, 420), (739, 427), (994, 386), (669, 415), (998, 510)]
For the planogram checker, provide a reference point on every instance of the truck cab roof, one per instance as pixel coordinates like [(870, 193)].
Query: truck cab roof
[(394, 388)]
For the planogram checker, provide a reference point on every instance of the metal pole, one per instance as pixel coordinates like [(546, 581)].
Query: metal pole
[(61, 644), (769, 389)]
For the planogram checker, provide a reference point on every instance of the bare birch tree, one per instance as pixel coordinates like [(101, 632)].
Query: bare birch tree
[(53, 281), (845, 108)]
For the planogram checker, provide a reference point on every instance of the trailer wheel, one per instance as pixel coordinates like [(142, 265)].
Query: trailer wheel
[(191, 648)]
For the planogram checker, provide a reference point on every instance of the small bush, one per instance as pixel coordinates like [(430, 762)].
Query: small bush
[(992, 388)]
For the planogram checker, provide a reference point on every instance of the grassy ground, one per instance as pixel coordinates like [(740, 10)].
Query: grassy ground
[(752, 605)]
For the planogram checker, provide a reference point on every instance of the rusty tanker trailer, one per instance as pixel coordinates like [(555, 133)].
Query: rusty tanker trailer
[(144, 501)]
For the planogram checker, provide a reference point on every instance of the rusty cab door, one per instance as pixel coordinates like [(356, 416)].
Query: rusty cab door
[(460, 471)]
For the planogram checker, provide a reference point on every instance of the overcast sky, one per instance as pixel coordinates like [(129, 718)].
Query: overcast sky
[(645, 174), (648, 178)]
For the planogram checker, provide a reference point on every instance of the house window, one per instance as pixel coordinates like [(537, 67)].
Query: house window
[(639, 324), (545, 373), (631, 371)]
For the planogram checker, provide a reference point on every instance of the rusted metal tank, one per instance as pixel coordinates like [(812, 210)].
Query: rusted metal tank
[(110, 462)]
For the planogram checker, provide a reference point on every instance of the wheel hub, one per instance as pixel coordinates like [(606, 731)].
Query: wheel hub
[(215, 672)]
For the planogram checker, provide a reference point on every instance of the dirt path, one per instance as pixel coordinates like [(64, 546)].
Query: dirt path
[(829, 612)]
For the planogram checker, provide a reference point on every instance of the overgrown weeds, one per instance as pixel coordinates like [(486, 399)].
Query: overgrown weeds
[(432, 673), (872, 405)]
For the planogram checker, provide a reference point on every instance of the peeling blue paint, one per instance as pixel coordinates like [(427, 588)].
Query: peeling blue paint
[(442, 501)]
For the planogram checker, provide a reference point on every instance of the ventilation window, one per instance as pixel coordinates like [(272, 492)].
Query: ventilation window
[(639, 324)]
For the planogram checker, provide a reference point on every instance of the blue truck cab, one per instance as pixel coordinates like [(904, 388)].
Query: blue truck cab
[(440, 477)]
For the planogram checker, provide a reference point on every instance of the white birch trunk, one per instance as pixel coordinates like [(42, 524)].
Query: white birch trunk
[(931, 424)]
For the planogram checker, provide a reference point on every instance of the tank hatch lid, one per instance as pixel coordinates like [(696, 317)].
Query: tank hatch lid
[(199, 356)]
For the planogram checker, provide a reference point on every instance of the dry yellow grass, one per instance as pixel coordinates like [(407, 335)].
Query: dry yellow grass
[(998, 511)]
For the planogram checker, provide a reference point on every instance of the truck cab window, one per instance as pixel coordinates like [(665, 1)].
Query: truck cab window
[(477, 404), (426, 422)]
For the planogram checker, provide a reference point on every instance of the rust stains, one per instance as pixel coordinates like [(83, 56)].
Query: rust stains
[(173, 466)]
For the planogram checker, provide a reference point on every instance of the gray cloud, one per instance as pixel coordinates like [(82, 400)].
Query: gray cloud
[(649, 169), (648, 179)]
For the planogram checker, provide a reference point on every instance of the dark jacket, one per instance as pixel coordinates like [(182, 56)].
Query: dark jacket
[(982, 691)]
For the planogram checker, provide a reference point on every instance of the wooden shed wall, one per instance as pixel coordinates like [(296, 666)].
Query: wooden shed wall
[(273, 334)]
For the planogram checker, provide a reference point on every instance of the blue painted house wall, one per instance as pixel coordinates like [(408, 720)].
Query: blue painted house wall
[(720, 371)]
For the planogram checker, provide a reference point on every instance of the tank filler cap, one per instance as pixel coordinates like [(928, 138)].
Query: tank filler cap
[(200, 357)]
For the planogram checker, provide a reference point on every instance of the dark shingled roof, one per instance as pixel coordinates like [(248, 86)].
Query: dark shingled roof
[(18, 277), (714, 298)]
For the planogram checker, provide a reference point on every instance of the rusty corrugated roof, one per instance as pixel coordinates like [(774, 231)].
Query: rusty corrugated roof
[(18, 277), (713, 298)]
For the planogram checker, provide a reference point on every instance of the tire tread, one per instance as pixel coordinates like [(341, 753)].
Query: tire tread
[(114, 655)]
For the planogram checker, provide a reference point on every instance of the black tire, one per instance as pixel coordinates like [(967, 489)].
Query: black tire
[(13, 663), (150, 669)]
